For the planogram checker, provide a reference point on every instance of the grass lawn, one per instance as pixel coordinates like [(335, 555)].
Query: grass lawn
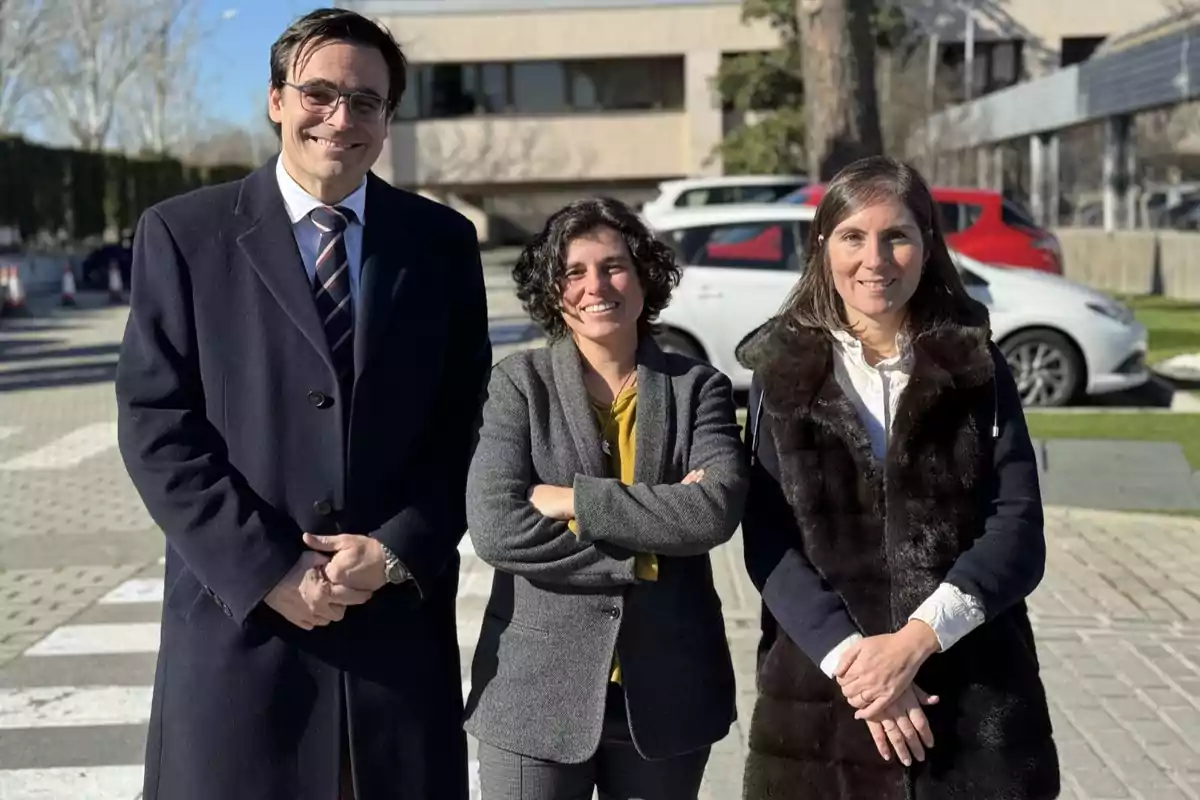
[(1161, 427), (1173, 325)]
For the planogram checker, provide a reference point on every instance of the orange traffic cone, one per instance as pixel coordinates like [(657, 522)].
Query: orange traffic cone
[(116, 286), (3, 291), (68, 286), (14, 303)]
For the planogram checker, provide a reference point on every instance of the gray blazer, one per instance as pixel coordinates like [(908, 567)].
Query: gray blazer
[(561, 604)]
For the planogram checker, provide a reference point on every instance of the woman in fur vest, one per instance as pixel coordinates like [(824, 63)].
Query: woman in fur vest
[(894, 523)]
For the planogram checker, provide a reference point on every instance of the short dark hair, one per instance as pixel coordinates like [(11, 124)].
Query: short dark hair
[(540, 271), (940, 296), (339, 25)]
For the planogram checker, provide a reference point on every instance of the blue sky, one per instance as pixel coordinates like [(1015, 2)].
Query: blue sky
[(233, 64)]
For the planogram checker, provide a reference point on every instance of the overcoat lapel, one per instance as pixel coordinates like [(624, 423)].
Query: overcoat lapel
[(270, 246)]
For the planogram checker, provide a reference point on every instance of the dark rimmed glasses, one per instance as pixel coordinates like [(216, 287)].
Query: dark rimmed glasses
[(320, 98)]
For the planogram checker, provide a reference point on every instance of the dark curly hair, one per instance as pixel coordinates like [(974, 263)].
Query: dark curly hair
[(540, 271)]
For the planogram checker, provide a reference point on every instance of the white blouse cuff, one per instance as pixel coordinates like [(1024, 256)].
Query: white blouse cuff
[(951, 613), (831, 660)]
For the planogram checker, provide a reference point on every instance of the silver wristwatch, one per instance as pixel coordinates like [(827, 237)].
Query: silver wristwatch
[(393, 570)]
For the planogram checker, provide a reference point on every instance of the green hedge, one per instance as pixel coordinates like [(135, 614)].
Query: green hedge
[(82, 194)]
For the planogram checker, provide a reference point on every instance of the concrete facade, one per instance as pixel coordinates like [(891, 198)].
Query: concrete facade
[(517, 164), (644, 146)]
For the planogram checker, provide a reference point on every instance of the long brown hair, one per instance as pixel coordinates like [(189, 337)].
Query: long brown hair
[(940, 297)]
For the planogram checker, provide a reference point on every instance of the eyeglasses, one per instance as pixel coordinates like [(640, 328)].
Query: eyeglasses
[(320, 99)]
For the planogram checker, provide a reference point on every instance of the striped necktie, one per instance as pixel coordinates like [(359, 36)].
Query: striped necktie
[(331, 286)]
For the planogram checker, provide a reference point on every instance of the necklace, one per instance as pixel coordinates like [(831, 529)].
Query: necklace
[(604, 445)]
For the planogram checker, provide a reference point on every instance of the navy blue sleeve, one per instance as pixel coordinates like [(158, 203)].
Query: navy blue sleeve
[(232, 540), (424, 535), (802, 604), (1006, 563)]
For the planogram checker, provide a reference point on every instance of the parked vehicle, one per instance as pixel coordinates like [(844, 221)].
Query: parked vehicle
[(981, 224), (720, 190), (1062, 339)]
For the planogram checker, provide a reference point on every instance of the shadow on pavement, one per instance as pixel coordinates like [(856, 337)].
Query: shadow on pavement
[(12, 348), (37, 350), (1155, 393), (50, 377)]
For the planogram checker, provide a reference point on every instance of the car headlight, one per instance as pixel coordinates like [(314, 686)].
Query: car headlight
[(1114, 310)]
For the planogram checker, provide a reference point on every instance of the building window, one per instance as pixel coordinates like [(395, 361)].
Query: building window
[(1077, 49), (490, 86), (627, 84), (439, 91), (997, 65), (539, 87)]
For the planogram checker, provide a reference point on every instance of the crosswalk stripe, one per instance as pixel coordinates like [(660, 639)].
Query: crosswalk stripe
[(134, 637), (99, 639), (137, 590), (68, 451), (94, 783), (71, 702), (74, 706), (150, 590)]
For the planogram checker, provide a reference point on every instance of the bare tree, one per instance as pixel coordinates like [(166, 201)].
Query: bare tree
[(101, 43), (231, 144), (838, 56), (24, 32), (161, 94)]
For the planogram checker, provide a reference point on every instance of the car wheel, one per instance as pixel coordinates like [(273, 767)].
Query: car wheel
[(672, 341), (1046, 366)]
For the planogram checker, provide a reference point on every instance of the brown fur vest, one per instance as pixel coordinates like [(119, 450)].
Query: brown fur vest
[(884, 535)]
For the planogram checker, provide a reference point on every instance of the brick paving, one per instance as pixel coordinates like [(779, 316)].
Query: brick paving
[(1117, 616)]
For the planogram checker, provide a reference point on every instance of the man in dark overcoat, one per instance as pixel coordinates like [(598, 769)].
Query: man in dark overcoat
[(298, 392)]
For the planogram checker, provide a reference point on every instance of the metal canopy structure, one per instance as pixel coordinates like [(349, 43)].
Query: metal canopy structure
[(1145, 74), (1155, 67)]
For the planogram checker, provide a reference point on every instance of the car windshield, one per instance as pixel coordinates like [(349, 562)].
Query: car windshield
[(797, 198), (1013, 214)]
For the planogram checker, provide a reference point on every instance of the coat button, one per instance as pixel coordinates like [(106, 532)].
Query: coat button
[(319, 399), (323, 508), (615, 613)]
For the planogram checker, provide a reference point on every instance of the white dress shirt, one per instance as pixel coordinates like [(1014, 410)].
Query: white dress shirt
[(875, 391), (299, 205)]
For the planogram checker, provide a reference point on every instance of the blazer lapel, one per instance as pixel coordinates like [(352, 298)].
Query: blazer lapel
[(270, 246), (573, 396), (653, 401), (388, 253)]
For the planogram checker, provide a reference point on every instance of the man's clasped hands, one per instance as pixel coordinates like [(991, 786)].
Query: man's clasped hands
[(339, 571)]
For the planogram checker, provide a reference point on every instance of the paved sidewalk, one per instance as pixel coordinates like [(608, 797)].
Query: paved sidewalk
[(1117, 617)]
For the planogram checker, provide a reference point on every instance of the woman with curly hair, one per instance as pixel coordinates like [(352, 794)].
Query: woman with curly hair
[(606, 470)]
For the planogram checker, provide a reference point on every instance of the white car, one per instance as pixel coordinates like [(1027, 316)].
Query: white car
[(719, 190), (1062, 339)]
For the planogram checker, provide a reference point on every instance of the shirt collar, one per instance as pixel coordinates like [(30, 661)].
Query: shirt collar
[(299, 203), (852, 347)]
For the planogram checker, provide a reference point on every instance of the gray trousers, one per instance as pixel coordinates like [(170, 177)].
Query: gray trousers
[(616, 770)]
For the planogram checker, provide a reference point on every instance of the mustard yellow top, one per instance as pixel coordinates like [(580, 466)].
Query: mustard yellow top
[(618, 429)]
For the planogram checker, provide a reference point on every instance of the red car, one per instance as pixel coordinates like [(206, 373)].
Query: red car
[(981, 224)]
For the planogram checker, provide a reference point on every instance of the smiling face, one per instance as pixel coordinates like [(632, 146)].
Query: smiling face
[(875, 257), (328, 154), (602, 297)]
